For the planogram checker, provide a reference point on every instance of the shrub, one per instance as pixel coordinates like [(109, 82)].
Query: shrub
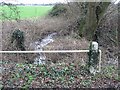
[(57, 10)]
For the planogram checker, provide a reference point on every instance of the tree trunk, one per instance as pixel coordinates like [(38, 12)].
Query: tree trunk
[(118, 41), (91, 20)]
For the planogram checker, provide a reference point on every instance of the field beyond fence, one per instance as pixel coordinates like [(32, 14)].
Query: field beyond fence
[(26, 12)]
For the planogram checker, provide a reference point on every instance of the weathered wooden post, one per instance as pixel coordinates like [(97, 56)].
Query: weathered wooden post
[(93, 55)]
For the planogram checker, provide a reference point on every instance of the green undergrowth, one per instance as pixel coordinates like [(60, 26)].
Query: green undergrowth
[(109, 72), (55, 75)]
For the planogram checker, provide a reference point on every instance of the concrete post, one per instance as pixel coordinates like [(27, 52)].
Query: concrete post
[(93, 55)]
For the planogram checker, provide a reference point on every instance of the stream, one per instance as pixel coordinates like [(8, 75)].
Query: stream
[(39, 45)]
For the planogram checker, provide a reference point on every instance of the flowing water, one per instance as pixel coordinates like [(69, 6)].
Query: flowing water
[(38, 46)]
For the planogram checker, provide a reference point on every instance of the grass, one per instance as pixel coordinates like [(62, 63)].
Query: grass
[(26, 12)]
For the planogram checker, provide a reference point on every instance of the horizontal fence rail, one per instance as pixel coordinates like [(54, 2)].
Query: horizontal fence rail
[(53, 51), (57, 51)]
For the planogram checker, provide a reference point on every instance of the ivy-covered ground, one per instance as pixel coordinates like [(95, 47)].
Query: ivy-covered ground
[(60, 75)]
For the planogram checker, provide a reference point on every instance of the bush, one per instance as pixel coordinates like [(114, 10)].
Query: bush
[(58, 10)]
